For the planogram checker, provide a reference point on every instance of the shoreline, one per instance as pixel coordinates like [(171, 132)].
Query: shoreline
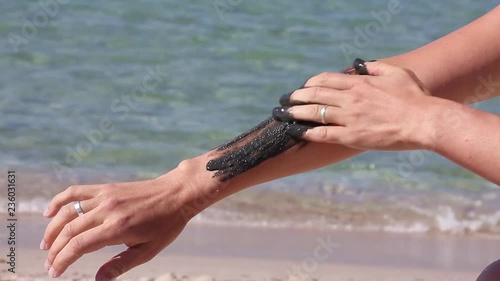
[(243, 253), (317, 205)]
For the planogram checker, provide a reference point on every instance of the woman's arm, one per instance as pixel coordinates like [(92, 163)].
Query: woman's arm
[(148, 215), (463, 66), (392, 110), (470, 138)]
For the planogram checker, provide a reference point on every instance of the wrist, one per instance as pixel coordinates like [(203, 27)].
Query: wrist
[(437, 117), (421, 125), (197, 189)]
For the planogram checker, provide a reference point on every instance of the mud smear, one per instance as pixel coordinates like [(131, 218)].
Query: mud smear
[(264, 141)]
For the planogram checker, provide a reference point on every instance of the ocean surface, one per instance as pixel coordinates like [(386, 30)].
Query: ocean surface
[(206, 71)]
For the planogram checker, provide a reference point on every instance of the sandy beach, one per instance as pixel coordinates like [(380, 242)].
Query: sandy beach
[(205, 252), (179, 267)]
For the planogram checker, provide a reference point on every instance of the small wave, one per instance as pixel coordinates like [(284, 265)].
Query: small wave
[(35, 205), (447, 221), (443, 221), (415, 219)]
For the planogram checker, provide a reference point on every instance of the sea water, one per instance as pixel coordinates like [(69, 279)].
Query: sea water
[(101, 91)]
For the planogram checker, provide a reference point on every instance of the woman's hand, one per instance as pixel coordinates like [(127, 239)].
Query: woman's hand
[(388, 110), (146, 216)]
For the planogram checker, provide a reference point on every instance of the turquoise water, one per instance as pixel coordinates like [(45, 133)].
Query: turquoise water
[(221, 67)]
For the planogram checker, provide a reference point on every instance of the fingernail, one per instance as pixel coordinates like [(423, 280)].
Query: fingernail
[(297, 130), (46, 212), (282, 114), (43, 245), (360, 66), (285, 99), (52, 272), (47, 264)]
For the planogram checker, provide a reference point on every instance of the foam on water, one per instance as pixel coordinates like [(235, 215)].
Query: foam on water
[(446, 221), (35, 206), (443, 219)]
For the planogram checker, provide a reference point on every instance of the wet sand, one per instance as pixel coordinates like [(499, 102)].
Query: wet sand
[(180, 267), (236, 253)]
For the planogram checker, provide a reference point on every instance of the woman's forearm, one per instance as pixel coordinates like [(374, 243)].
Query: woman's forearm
[(207, 189), (462, 66), (453, 68), (468, 137)]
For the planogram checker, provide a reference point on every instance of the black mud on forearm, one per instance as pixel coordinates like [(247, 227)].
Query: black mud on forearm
[(264, 141)]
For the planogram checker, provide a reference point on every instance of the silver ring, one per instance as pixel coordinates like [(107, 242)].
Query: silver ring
[(322, 113), (78, 208)]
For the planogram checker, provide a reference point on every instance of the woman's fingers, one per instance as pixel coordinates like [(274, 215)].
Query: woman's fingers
[(64, 216), (72, 193), (122, 213), (375, 113), (86, 242), (382, 69), (377, 68), (71, 230), (326, 134), (126, 260), (320, 95), (334, 80), (317, 86), (317, 113)]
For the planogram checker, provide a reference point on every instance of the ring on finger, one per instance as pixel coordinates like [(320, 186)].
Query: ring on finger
[(78, 208), (322, 113)]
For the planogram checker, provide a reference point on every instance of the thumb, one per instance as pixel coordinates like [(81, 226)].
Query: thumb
[(124, 261), (377, 68)]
